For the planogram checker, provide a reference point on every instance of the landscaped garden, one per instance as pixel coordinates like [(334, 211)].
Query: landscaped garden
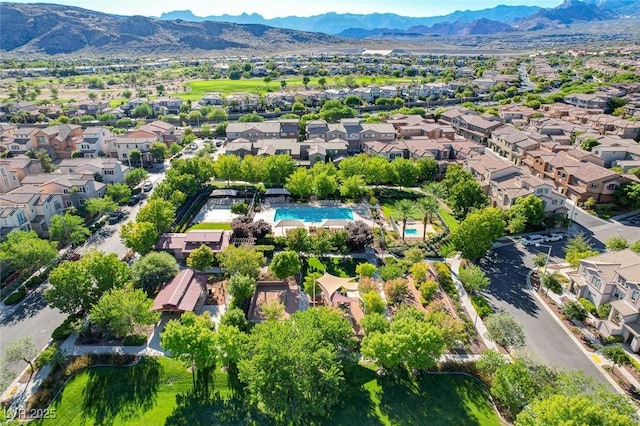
[(156, 391)]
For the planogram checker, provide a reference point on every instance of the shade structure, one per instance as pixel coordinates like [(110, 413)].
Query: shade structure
[(291, 223), (276, 192), (330, 284), (224, 193), (335, 223)]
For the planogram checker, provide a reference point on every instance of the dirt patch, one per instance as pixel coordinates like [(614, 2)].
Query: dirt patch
[(216, 292)]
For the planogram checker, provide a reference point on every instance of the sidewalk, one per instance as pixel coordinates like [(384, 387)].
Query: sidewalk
[(454, 262), (597, 359)]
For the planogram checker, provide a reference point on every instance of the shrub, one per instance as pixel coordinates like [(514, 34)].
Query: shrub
[(444, 276), (78, 363), (427, 290), (590, 307), (396, 290), (68, 327), (610, 340), (574, 310), (482, 307), (265, 248), (45, 356), (135, 340), (16, 296), (603, 311), (392, 271)]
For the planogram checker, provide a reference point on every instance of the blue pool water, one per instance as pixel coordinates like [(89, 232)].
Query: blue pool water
[(411, 231), (313, 214)]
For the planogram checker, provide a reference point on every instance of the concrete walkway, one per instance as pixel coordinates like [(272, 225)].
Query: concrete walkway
[(454, 262), (596, 358)]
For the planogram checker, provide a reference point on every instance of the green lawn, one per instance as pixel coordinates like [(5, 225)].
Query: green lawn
[(210, 225), (451, 221), (256, 85), (339, 267), (154, 392), (387, 209)]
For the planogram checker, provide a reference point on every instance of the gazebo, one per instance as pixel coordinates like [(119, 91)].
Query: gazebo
[(278, 194), (330, 284), (335, 223), (289, 223)]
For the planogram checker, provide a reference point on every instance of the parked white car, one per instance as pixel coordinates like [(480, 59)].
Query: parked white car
[(553, 237), (532, 240)]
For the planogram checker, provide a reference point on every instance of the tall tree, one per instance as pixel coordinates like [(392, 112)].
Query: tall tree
[(426, 207), (119, 192), (241, 288), (578, 248), (477, 232), (201, 258), (474, 278), (227, 167), (24, 250), (121, 310), (403, 209), (300, 183), (158, 212), (22, 349), (285, 264), (353, 187), (68, 229), (405, 172), (192, 340), (140, 237), (466, 196), (531, 207), (98, 206), (135, 176), (159, 151), (153, 271), (243, 260), (428, 168), (503, 329), (45, 160)]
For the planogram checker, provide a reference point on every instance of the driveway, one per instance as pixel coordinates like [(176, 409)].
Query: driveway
[(546, 340)]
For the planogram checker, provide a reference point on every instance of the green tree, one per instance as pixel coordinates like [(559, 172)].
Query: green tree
[(121, 310), (232, 343), (227, 167), (300, 183), (503, 329), (426, 207), (273, 310), (140, 237), (616, 354), (142, 110), (375, 323), (159, 151), (551, 282), (428, 168), (45, 160), (300, 360), (589, 143), (466, 196), (241, 288), (477, 232), (285, 264), (405, 172), (474, 278), (617, 243), (25, 251), (22, 349), (515, 386), (153, 270), (68, 229), (119, 192), (243, 260), (437, 189), (192, 340), (297, 240), (75, 286), (578, 248), (410, 342), (531, 207), (372, 302), (490, 362), (366, 269), (629, 195), (135, 176), (353, 187), (403, 209), (158, 212), (267, 80), (419, 271), (324, 185), (201, 258), (98, 206), (234, 317), (250, 118)]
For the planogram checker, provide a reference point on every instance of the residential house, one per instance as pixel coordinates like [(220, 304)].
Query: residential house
[(105, 169), (354, 132), (89, 107), (166, 132), (282, 100), (96, 141), (181, 245), (587, 101), (475, 127), (281, 129), (30, 204), (243, 103), (13, 170), (612, 149), (21, 140), (511, 143), (166, 105), (60, 140), (409, 126), (212, 99), (75, 189), (140, 140), (613, 278), (518, 115)]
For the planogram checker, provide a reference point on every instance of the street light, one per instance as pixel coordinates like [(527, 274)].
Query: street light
[(546, 262)]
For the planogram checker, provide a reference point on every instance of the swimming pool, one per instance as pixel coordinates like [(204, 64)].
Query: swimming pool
[(313, 214), (411, 231)]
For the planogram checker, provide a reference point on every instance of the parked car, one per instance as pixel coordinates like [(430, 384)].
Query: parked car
[(533, 240), (194, 146), (147, 187), (635, 220), (553, 237), (134, 200), (115, 217), (73, 256)]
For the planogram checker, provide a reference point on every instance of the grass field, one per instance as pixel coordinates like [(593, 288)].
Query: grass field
[(256, 85), (339, 267), (387, 209), (154, 393), (210, 226), (451, 221)]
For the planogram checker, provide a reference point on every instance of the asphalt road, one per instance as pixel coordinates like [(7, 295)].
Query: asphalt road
[(546, 340)]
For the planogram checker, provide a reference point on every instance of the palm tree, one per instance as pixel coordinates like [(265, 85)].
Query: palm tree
[(403, 209), (426, 206), (267, 80), (437, 189)]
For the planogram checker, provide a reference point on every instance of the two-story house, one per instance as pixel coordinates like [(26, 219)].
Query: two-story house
[(475, 127), (139, 140), (614, 278), (511, 143), (280, 129), (74, 189), (33, 205), (60, 140), (166, 132), (13, 170), (243, 102), (166, 105), (95, 142), (105, 169)]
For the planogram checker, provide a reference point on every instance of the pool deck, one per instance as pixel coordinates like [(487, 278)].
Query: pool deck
[(360, 212)]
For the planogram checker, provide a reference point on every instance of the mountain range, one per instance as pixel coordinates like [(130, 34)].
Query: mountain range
[(55, 29)]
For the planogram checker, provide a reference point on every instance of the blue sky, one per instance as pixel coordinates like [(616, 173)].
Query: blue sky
[(279, 8)]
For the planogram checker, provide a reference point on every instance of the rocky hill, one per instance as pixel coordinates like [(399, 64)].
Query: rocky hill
[(54, 29)]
